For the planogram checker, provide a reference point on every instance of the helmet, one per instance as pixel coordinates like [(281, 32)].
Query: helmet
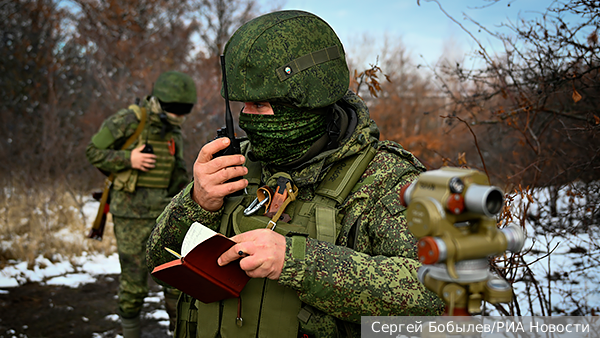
[(291, 57), (175, 87)]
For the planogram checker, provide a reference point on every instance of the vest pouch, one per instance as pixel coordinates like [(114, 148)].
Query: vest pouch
[(316, 323), (125, 180), (300, 224), (187, 315), (159, 176), (207, 320), (268, 310)]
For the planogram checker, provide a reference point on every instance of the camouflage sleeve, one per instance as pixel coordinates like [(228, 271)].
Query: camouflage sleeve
[(103, 150), (378, 277), (172, 226)]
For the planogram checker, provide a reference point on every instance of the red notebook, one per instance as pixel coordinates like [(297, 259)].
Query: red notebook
[(197, 273)]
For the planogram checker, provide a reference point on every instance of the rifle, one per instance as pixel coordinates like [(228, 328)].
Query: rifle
[(228, 131), (100, 221)]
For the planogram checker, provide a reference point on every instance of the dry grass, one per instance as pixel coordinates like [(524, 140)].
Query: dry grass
[(51, 221)]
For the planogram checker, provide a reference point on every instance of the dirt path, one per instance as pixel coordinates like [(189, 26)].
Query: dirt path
[(34, 311)]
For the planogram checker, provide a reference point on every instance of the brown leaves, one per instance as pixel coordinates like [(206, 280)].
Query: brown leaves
[(461, 159), (370, 78), (576, 96), (592, 39), (525, 193)]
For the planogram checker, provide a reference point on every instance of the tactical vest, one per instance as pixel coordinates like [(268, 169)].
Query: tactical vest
[(267, 308), (157, 177)]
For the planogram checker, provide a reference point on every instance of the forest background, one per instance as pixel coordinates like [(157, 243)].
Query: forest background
[(526, 116)]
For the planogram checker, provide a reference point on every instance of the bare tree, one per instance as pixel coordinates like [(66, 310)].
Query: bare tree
[(219, 19), (35, 83), (63, 70), (131, 43), (403, 101), (533, 110)]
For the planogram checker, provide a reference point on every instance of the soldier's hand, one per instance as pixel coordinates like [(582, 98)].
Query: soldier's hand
[(210, 175), (262, 253), (142, 161)]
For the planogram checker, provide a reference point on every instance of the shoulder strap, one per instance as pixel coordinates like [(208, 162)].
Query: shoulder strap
[(342, 178), (141, 115), (98, 225), (333, 190)]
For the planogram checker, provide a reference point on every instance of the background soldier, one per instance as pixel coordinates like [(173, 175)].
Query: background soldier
[(147, 174), (340, 249)]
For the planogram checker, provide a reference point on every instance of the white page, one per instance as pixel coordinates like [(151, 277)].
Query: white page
[(196, 234)]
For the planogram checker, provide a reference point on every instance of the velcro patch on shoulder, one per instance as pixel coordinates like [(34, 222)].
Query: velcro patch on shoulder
[(103, 139)]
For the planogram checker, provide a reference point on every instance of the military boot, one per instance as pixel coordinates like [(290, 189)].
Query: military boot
[(131, 327)]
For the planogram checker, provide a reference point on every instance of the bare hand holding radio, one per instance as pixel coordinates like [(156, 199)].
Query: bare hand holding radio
[(213, 176), (218, 169)]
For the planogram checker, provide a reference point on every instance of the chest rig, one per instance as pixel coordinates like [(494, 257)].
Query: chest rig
[(268, 309), (164, 149)]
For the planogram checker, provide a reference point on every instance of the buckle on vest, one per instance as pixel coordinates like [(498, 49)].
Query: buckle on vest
[(271, 224)]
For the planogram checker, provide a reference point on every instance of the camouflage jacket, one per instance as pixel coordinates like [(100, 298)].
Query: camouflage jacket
[(377, 276), (144, 202)]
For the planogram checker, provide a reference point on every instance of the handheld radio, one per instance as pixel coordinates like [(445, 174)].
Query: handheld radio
[(228, 131)]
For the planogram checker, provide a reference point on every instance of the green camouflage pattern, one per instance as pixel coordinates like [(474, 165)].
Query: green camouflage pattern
[(132, 235), (144, 202), (285, 136), (377, 276), (269, 42), (134, 214), (175, 87)]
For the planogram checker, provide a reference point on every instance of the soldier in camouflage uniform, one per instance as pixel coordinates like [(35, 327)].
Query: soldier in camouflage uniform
[(340, 249), (147, 175)]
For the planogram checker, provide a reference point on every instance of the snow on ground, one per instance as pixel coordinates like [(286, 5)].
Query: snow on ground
[(569, 276), (74, 272), (572, 286)]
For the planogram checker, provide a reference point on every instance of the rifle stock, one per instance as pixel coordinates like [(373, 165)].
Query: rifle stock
[(97, 230)]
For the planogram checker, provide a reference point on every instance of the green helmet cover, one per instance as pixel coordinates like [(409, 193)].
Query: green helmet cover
[(291, 57), (175, 87)]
